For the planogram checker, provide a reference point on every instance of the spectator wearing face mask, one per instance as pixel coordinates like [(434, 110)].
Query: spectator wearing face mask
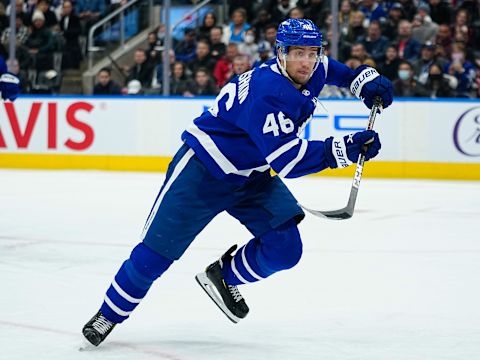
[(440, 85), (406, 85), (248, 47), (463, 70)]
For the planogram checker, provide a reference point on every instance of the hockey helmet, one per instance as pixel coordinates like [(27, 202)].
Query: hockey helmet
[(298, 32)]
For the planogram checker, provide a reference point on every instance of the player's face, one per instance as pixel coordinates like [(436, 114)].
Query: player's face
[(301, 62)]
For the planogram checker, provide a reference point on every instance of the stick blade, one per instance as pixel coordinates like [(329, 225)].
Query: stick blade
[(341, 214)]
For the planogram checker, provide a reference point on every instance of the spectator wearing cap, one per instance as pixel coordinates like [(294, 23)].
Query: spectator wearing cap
[(373, 11), (408, 47), (424, 29), (40, 42), (217, 47), (440, 11), (234, 32), (422, 65), (134, 87), (105, 85), (390, 67), (186, 48), (264, 53), (375, 43), (395, 14)]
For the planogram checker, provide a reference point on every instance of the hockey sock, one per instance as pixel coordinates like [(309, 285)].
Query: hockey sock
[(132, 281), (278, 249)]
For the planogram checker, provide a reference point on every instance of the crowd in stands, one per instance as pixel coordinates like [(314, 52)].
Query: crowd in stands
[(428, 48)]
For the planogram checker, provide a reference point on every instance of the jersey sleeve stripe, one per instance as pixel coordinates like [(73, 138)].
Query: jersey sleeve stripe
[(212, 149), (281, 150), (301, 153)]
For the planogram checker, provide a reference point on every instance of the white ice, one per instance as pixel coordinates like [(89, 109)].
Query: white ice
[(400, 280)]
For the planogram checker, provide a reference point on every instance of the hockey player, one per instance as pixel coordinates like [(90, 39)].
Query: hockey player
[(224, 165)]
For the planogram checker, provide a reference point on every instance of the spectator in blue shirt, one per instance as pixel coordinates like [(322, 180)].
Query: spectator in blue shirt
[(463, 70), (373, 11), (375, 43), (235, 31)]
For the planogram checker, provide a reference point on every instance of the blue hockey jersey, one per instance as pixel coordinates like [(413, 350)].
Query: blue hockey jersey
[(256, 122)]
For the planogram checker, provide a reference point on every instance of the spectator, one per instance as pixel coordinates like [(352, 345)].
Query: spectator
[(317, 11), (21, 10), (202, 58), (358, 52), (223, 68), (240, 65), (4, 20), (472, 7), (296, 13), (270, 34), (179, 82), (395, 14), (157, 78), (409, 9), (248, 46), (443, 40), (408, 47), (280, 12), (406, 85), (71, 29), (209, 21), (203, 84), (153, 49), (264, 53), (463, 70), (40, 43), (217, 47), (263, 19), (50, 17), (21, 32), (372, 11), (185, 49), (14, 68), (105, 85), (141, 70), (345, 17), (421, 67), (424, 29), (235, 31), (438, 84), (375, 44), (440, 12), (461, 29), (391, 64), (356, 29)]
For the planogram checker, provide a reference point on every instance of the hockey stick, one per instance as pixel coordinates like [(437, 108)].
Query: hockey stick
[(347, 211)]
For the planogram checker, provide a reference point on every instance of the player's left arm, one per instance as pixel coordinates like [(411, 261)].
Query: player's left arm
[(364, 82), (9, 83)]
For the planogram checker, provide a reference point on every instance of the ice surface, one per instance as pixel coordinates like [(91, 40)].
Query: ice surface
[(400, 280)]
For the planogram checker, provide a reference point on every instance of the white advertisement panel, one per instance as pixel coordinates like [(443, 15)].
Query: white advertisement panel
[(414, 131)]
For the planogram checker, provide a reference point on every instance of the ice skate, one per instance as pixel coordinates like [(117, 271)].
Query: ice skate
[(97, 329), (226, 297)]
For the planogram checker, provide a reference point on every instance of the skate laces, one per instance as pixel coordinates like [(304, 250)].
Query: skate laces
[(102, 325), (235, 293)]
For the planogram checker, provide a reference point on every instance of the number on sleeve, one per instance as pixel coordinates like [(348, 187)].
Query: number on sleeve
[(270, 125)]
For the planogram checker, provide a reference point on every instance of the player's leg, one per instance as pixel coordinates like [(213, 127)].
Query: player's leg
[(271, 213), (180, 212)]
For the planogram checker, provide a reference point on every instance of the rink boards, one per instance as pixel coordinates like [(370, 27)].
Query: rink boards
[(435, 139)]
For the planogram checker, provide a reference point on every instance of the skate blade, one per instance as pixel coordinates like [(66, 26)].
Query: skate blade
[(86, 345), (209, 288)]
